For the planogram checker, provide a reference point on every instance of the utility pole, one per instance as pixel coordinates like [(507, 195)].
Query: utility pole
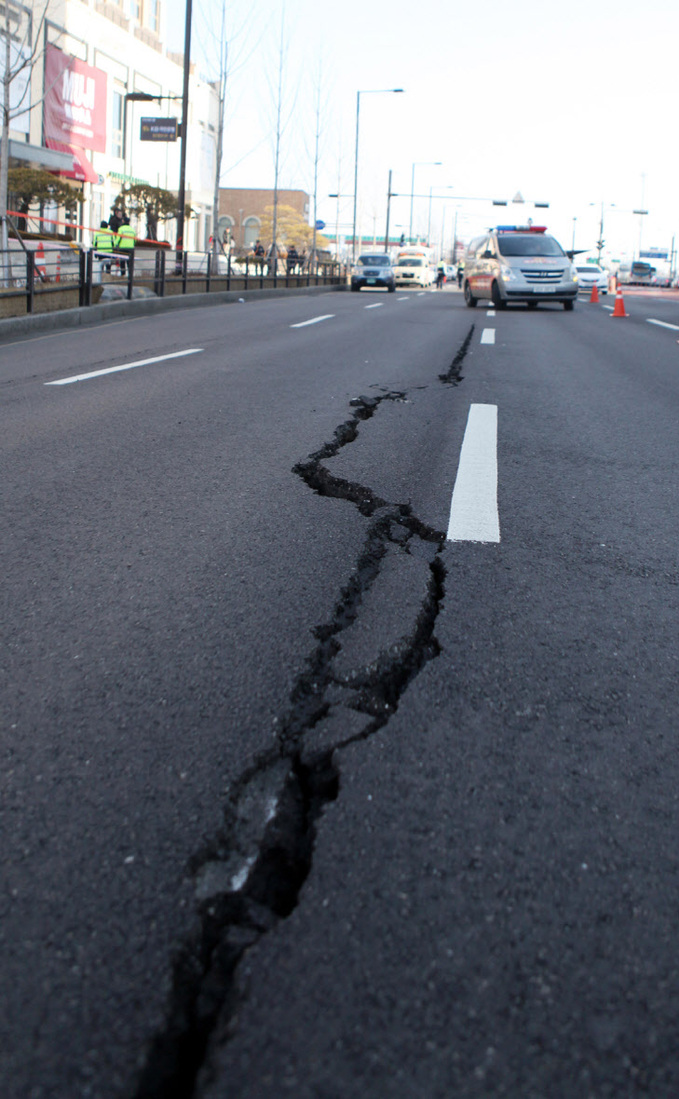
[(274, 243), (181, 205), (386, 234)]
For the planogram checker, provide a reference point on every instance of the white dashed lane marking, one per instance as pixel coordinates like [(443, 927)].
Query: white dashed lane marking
[(473, 510), (488, 335), (125, 366), (314, 320)]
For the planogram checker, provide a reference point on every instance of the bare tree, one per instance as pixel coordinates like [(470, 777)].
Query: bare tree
[(223, 56), (320, 108), (284, 113), (20, 50), (221, 93)]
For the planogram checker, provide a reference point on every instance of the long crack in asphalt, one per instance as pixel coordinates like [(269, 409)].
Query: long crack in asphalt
[(250, 876)]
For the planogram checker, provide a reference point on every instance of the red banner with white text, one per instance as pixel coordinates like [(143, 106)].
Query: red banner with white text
[(75, 102)]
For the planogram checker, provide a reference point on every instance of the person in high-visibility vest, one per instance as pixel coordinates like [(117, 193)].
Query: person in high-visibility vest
[(125, 242), (103, 242)]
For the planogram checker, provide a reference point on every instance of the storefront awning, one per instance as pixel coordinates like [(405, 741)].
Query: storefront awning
[(81, 169), (49, 159)]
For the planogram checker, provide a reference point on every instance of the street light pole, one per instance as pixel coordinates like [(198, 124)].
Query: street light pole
[(364, 91), (386, 234), (418, 164), (181, 204), (353, 231)]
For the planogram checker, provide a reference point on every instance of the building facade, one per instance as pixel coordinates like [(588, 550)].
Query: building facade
[(241, 212), (103, 90)]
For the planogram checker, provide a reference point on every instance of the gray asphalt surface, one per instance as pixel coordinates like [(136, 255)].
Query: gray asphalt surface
[(298, 797)]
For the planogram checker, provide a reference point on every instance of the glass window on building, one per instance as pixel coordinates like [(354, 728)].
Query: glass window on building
[(250, 231), (152, 10), (117, 124)]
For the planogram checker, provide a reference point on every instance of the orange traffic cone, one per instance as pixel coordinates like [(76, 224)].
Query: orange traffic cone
[(619, 310), (594, 296), (40, 261)]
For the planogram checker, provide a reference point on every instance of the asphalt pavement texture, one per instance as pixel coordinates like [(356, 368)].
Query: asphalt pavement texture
[(301, 798)]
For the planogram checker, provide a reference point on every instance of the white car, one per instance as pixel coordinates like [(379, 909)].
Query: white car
[(590, 275), (413, 271)]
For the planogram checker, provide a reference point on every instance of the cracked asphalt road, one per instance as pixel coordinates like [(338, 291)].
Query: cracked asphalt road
[(298, 797)]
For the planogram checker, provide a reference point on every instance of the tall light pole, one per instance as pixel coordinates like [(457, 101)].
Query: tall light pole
[(417, 164), (366, 91), (181, 203), (612, 206), (600, 243), (386, 232)]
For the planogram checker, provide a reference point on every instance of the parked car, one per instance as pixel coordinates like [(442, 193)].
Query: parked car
[(373, 269), (590, 275)]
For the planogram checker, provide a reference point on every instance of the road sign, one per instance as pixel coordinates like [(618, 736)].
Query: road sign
[(320, 225), (158, 129)]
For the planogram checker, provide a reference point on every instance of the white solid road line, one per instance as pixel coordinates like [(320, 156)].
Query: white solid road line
[(473, 511), (488, 335), (377, 305), (126, 366), (314, 320), (663, 324)]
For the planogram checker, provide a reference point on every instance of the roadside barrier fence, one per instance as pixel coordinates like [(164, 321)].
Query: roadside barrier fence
[(84, 277)]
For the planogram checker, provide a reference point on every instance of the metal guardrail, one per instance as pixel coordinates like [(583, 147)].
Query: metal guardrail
[(53, 269)]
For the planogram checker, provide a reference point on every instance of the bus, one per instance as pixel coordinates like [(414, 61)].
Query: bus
[(638, 273)]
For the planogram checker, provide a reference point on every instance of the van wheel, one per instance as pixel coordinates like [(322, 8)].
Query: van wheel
[(498, 302), (568, 306), (469, 297)]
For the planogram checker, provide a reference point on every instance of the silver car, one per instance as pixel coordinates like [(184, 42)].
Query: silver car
[(519, 263), (373, 269)]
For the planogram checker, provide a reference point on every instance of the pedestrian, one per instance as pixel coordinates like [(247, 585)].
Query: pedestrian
[(103, 243), (292, 259), (259, 254), (116, 219), (460, 273), (272, 259), (440, 274), (125, 244)]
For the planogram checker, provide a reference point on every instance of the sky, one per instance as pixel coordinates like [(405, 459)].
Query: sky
[(573, 105)]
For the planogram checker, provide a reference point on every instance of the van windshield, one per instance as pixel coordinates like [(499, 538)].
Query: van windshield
[(530, 244), (410, 262)]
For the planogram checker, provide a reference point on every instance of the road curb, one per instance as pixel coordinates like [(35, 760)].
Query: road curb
[(87, 316)]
